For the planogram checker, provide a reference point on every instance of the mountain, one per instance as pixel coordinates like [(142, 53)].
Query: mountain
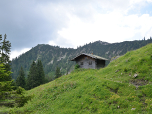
[(53, 56), (124, 86)]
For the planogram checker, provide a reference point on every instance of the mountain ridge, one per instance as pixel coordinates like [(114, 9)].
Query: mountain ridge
[(124, 86), (53, 56)]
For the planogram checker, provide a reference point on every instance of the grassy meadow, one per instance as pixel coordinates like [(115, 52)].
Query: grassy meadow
[(124, 86)]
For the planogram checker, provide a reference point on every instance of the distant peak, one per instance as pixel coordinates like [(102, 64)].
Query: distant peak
[(104, 43)]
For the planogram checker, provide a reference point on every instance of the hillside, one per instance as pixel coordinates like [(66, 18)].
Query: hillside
[(124, 86), (53, 56)]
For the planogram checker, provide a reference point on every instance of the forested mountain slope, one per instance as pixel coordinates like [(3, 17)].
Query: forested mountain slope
[(124, 86), (53, 56)]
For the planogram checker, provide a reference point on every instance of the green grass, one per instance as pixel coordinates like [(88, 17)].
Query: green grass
[(110, 90)]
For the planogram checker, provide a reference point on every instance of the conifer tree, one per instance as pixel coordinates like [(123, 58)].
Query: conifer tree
[(5, 78), (32, 77), (5, 50), (57, 72), (3, 73), (5, 86), (5, 47), (41, 75), (20, 81), (36, 75), (0, 42)]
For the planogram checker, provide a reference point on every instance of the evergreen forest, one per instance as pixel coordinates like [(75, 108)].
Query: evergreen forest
[(123, 87), (54, 56)]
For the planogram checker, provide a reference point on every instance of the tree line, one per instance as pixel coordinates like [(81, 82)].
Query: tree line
[(12, 92), (10, 95), (49, 60), (50, 55), (35, 77)]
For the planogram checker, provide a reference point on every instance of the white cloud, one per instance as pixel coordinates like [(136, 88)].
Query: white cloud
[(110, 27), (149, 0), (73, 23), (52, 43)]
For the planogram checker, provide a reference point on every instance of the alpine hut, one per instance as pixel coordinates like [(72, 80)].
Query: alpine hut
[(90, 61)]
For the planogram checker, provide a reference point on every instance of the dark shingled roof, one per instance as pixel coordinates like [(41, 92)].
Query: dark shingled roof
[(90, 55)]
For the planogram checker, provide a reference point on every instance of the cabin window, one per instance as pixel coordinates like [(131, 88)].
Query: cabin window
[(90, 62), (81, 63)]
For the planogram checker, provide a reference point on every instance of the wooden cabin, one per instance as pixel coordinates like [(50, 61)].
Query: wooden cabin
[(90, 61)]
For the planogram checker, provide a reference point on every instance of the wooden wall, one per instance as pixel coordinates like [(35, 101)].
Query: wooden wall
[(86, 62), (100, 64)]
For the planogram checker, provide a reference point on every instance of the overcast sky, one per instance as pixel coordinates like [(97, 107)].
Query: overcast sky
[(71, 23)]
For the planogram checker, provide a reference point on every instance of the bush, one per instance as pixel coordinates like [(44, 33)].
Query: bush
[(77, 66), (125, 69), (20, 90), (21, 99)]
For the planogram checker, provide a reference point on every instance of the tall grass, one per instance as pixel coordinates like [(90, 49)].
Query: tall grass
[(113, 89)]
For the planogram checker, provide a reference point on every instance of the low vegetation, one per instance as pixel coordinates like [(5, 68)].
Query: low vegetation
[(124, 86)]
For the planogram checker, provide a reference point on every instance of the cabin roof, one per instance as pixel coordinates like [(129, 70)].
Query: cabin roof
[(90, 55)]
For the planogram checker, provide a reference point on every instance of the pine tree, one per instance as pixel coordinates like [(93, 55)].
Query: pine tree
[(5, 50), (20, 81), (57, 72), (41, 75), (5, 86), (32, 77), (0, 42), (5, 78), (5, 47), (3, 73), (36, 75)]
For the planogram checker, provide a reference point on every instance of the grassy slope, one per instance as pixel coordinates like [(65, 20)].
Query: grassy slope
[(109, 90)]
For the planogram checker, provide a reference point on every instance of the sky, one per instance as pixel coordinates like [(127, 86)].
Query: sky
[(73, 23)]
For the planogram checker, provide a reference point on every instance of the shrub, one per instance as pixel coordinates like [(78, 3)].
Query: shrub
[(125, 69), (21, 100), (20, 90), (77, 66)]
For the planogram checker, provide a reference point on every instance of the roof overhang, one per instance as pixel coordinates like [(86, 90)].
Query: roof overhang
[(90, 55)]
